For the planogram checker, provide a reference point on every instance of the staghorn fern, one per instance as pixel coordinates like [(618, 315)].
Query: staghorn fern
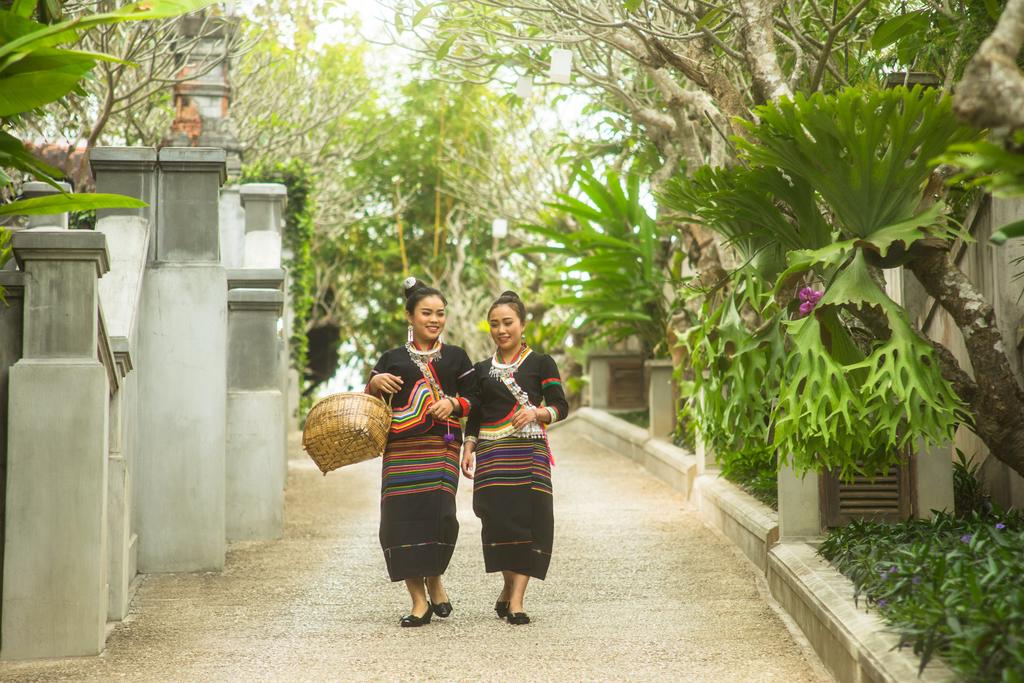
[(834, 181)]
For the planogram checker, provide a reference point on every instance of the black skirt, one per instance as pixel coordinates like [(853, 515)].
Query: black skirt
[(512, 497), (418, 526)]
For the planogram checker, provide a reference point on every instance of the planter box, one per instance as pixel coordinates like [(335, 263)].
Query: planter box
[(853, 644)]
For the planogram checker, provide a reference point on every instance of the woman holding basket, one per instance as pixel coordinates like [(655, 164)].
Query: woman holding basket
[(431, 385), (508, 456)]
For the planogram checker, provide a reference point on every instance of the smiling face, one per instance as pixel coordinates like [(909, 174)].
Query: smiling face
[(427, 320), (506, 328)]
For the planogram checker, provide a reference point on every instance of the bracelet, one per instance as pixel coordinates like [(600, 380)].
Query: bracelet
[(455, 404), (553, 413), (470, 439)]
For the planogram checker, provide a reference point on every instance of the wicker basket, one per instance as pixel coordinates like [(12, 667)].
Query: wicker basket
[(346, 428)]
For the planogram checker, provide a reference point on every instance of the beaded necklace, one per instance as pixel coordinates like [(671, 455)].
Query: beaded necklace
[(505, 373)]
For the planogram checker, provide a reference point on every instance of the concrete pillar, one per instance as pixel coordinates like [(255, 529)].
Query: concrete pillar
[(264, 217), (129, 171), (183, 372), (121, 295), (799, 504), (13, 284), (35, 189), (255, 416), (55, 545), (293, 382), (661, 399), (933, 480), (600, 377), (232, 227)]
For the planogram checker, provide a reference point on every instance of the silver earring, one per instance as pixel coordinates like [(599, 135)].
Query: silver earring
[(410, 335)]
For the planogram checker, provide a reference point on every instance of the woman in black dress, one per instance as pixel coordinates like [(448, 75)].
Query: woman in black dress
[(431, 386), (508, 457)]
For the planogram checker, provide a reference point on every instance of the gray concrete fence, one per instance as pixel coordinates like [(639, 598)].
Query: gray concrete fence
[(144, 393)]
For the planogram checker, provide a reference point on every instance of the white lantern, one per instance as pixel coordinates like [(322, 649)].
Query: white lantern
[(524, 87), (561, 65), (499, 228)]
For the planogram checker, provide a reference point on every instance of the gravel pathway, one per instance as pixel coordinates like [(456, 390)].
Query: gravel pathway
[(639, 589)]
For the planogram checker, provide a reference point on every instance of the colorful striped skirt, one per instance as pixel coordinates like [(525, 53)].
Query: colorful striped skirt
[(418, 526), (512, 497)]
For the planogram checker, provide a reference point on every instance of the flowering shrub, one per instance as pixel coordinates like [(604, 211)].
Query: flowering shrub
[(948, 586)]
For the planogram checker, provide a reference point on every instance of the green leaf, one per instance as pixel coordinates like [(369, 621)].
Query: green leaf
[(14, 155), (896, 28), (854, 285), (906, 232), (709, 18), (23, 92), (23, 8), (60, 203), (65, 31), (1015, 229), (422, 14), (445, 47)]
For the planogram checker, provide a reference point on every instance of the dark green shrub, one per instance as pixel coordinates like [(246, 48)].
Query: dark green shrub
[(969, 487), (948, 586)]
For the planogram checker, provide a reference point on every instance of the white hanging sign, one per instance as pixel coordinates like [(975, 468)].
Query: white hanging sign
[(524, 87), (561, 65), (499, 228)]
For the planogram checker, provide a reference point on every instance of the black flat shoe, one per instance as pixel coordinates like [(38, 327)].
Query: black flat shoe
[(517, 618), (411, 620), (443, 609), (501, 607)]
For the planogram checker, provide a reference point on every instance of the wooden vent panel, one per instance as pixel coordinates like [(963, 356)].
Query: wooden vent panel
[(626, 384), (887, 498)]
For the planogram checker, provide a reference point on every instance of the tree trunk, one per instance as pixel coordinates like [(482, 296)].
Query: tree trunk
[(991, 93), (998, 404)]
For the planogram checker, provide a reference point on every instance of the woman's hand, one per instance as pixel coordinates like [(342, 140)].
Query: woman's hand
[(525, 417), (468, 459), (441, 410), (385, 383)]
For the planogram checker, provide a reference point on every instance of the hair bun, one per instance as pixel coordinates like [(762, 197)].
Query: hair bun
[(510, 294), (410, 285)]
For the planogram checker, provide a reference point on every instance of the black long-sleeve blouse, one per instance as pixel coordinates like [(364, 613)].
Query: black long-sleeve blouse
[(537, 375), (453, 372)]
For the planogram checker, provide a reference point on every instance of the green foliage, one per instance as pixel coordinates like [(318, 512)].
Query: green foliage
[(867, 154), (61, 203), (611, 247), (736, 371), (834, 183), (985, 164), (5, 254), (969, 495), (927, 37), (950, 587), (753, 470), (297, 238)]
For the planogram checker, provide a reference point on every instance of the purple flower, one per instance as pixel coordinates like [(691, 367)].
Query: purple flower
[(966, 538), (892, 570), (883, 602), (916, 580), (1000, 525), (808, 300)]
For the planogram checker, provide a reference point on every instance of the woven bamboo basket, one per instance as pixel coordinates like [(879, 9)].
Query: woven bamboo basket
[(346, 428)]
